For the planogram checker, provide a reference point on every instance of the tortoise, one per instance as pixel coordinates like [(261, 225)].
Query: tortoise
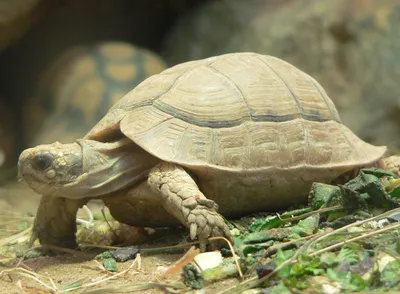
[(227, 135), (79, 87)]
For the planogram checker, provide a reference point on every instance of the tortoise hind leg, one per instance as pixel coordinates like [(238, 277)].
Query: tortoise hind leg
[(392, 164), (55, 221), (182, 198)]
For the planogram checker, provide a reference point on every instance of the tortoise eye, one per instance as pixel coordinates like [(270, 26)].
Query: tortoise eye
[(42, 161)]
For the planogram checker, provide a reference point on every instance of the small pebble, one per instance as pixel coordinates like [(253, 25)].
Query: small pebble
[(126, 253), (265, 269), (394, 217), (110, 264)]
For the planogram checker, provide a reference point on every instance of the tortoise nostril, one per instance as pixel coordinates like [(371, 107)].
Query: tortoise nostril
[(42, 161)]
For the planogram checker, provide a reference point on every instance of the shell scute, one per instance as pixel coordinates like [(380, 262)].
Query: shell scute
[(203, 97)]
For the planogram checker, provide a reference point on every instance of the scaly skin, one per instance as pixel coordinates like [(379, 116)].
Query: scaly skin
[(55, 222), (183, 199), (392, 164)]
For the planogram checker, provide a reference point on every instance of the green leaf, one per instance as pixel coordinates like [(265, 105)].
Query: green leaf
[(270, 222), (348, 255), (110, 264), (280, 289), (397, 246), (357, 282), (379, 173), (297, 269), (307, 226), (22, 225), (331, 274), (321, 194), (365, 189), (192, 277), (266, 223), (72, 286), (252, 249), (391, 273), (395, 193), (290, 282)]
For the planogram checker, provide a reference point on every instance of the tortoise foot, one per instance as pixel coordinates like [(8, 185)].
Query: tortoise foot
[(204, 222)]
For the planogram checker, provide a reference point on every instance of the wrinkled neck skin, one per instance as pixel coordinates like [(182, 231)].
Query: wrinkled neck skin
[(108, 167)]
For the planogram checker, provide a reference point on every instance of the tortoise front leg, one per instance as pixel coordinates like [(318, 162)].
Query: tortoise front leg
[(55, 221), (182, 198)]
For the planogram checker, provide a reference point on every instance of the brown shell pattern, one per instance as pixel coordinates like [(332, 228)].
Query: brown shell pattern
[(234, 112)]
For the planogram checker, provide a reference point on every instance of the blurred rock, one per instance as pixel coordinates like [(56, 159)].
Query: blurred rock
[(77, 90), (207, 30), (350, 46), (7, 137), (16, 18)]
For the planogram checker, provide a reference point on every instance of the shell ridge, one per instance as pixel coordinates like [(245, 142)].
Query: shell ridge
[(353, 146), (166, 108), (180, 141), (325, 101), (172, 85), (154, 100), (295, 97), (347, 139), (249, 141), (306, 142), (213, 140), (127, 130), (150, 102), (235, 86), (299, 107)]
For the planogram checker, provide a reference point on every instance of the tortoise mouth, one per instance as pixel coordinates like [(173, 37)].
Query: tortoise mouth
[(37, 185), (44, 187)]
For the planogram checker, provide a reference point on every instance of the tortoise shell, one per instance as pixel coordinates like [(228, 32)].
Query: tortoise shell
[(81, 85), (239, 111)]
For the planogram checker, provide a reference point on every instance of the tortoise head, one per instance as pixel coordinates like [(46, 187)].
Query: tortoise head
[(48, 169), (83, 169)]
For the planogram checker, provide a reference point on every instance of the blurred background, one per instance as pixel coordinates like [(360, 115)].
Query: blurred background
[(63, 63)]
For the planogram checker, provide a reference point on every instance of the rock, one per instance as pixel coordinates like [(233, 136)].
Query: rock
[(17, 16), (350, 46), (209, 29), (7, 138)]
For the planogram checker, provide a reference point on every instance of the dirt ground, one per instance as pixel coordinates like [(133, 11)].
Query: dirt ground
[(68, 270), (59, 272)]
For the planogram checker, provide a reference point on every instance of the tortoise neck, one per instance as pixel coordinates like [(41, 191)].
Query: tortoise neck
[(108, 167)]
